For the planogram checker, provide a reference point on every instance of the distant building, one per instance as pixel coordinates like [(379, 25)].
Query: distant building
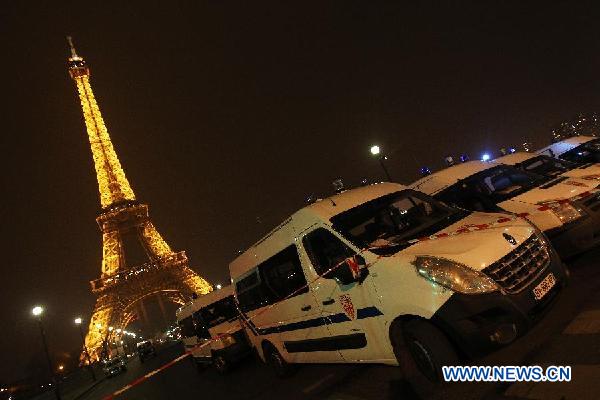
[(582, 124)]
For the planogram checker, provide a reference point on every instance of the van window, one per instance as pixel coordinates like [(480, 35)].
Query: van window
[(283, 274), (483, 190), (325, 250), (588, 152), (187, 327), (547, 166), (250, 294), (386, 225), (275, 279), (218, 312)]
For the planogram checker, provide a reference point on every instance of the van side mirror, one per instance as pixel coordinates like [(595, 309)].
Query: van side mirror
[(353, 269)]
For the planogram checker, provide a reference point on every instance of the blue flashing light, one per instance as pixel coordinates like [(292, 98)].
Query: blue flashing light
[(512, 150), (464, 158), (485, 157), (425, 171)]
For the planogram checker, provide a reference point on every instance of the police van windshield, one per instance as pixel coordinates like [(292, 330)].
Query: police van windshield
[(386, 224), (483, 190), (588, 152), (546, 165), (217, 313)]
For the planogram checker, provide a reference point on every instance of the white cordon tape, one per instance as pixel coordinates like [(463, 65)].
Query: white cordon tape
[(461, 230)]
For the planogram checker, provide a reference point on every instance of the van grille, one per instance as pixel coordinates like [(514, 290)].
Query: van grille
[(517, 269)]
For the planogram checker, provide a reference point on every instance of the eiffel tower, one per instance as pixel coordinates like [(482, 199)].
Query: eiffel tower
[(136, 262)]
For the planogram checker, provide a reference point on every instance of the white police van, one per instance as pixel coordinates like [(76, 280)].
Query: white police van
[(385, 274), (566, 209), (542, 164), (577, 149), (211, 330)]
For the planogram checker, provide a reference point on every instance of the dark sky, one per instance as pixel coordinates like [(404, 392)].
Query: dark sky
[(222, 112)]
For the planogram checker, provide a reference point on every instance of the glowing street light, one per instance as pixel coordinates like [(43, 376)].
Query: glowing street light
[(218, 286), (485, 157), (376, 151), (37, 312)]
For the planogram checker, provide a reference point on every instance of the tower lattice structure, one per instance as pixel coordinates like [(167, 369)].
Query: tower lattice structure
[(128, 276)]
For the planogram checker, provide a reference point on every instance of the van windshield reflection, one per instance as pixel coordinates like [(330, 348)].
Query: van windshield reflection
[(546, 165), (386, 225), (588, 152)]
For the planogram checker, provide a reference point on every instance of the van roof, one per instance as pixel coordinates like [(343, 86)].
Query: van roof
[(565, 145), (515, 158), (203, 301), (440, 180), (322, 210)]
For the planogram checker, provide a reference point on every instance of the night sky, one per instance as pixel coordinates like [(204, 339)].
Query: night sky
[(227, 115)]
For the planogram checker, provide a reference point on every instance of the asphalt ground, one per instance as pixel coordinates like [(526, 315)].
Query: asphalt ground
[(569, 334)]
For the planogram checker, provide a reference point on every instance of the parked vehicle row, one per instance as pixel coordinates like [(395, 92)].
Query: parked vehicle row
[(212, 331), (455, 265)]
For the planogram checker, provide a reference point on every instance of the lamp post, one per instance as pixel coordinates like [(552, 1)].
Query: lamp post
[(376, 151), (78, 322), (37, 312), (105, 349)]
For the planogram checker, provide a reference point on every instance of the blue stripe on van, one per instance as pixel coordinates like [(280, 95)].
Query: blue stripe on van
[(361, 313), (368, 312)]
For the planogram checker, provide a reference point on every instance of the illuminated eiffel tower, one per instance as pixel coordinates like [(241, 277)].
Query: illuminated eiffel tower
[(136, 262)]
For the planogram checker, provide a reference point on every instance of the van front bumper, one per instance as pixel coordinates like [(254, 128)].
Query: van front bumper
[(479, 324), (576, 237)]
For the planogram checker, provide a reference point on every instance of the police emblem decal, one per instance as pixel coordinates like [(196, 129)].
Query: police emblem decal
[(347, 305)]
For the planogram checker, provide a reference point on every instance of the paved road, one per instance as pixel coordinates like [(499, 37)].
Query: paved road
[(568, 335)]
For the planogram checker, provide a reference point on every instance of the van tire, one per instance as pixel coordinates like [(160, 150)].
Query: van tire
[(221, 364), (421, 350), (275, 360)]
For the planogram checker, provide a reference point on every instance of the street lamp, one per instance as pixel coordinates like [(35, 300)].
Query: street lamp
[(376, 151), (78, 322), (218, 286), (37, 312), (99, 326)]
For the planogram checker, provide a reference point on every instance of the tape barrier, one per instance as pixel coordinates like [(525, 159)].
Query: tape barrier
[(356, 269)]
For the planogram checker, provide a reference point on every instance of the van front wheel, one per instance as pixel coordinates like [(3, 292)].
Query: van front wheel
[(421, 350), (276, 362), (221, 364)]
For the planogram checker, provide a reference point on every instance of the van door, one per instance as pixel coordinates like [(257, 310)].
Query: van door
[(356, 323), (289, 316)]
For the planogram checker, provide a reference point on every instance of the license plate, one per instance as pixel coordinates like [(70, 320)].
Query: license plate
[(544, 286)]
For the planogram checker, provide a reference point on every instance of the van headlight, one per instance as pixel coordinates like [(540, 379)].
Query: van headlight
[(566, 211), (454, 276)]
